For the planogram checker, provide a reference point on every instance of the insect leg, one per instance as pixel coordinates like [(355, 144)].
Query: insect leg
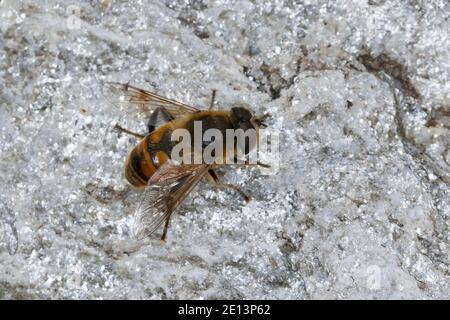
[(137, 135), (263, 164), (246, 164), (220, 184), (213, 99), (243, 163), (154, 118), (166, 227)]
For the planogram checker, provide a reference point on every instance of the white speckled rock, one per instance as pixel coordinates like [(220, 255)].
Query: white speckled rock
[(359, 91)]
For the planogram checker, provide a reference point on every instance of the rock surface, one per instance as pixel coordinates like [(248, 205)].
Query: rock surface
[(359, 91)]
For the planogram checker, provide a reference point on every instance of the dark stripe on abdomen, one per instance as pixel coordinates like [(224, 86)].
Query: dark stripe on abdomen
[(134, 172)]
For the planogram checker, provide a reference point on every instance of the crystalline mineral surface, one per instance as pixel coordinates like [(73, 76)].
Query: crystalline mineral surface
[(358, 90)]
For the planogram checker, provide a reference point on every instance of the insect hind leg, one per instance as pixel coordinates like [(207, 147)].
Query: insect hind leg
[(134, 134), (152, 122), (166, 227)]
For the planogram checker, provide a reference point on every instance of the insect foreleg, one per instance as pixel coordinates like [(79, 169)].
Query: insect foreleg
[(244, 163)]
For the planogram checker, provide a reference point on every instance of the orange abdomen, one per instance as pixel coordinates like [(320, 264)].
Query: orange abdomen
[(141, 164)]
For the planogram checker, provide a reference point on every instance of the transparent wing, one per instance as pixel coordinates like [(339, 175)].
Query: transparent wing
[(165, 191), (124, 94)]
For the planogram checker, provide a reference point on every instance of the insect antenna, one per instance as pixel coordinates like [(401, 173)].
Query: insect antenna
[(261, 122)]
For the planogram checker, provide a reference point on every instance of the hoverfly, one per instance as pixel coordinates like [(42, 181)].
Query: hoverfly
[(167, 183)]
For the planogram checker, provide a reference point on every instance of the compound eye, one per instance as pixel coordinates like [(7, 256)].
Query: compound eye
[(242, 114)]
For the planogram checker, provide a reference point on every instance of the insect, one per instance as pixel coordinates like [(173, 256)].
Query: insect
[(149, 165)]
